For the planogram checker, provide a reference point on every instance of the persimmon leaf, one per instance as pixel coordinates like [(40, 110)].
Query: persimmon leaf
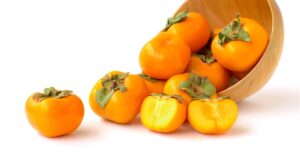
[(47, 91), (233, 31), (51, 92), (185, 84), (148, 78), (102, 96), (110, 84), (197, 87), (208, 87), (122, 76), (63, 93), (178, 97), (122, 88), (181, 16)]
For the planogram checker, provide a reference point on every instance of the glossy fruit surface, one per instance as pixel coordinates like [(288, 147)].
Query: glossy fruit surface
[(164, 56), (193, 29), (240, 44), (118, 96), (54, 113)]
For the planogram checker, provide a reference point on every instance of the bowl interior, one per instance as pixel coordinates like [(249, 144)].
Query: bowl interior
[(219, 13)]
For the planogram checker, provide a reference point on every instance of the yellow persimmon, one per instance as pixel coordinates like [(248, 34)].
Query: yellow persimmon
[(162, 113), (212, 116)]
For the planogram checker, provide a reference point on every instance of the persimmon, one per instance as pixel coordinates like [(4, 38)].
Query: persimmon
[(212, 116), (192, 27), (163, 113), (239, 45), (189, 86), (164, 56), (54, 113), (207, 66), (118, 96), (154, 85)]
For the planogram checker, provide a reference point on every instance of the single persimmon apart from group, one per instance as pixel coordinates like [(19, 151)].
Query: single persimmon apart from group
[(183, 68)]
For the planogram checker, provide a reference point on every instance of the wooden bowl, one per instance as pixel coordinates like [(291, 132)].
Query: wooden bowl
[(266, 12)]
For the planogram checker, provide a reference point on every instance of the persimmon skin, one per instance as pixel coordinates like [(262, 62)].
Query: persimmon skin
[(218, 75), (53, 117), (162, 115), (122, 108), (239, 55), (155, 87), (172, 87), (164, 56), (194, 30), (212, 116)]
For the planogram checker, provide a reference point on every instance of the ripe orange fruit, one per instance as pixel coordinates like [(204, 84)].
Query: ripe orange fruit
[(189, 86), (54, 112), (154, 85), (164, 56), (216, 74), (239, 46), (191, 27), (118, 97)]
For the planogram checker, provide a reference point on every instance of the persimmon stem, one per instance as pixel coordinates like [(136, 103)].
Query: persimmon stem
[(233, 31), (181, 16)]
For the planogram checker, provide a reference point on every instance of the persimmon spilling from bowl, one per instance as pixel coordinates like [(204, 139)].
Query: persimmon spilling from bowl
[(183, 68), (216, 59)]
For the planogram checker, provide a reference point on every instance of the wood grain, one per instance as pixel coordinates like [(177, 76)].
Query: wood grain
[(267, 13)]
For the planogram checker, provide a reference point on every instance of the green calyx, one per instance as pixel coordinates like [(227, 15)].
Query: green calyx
[(206, 59), (198, 87), (233, 31), (110, 84), (178, 97), (146, 77), (181, 16), (51, 92), (205, 55)]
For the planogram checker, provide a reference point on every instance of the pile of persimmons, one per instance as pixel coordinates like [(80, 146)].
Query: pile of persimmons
[(183, 68)]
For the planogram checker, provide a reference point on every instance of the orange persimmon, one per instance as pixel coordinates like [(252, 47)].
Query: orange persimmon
[(164, 56), (191, 27), (189, 86), (239, 46), (54, 112), (118, 96), (162, 113), (208, 67), (212, 116), (154, 85), (172, 87)]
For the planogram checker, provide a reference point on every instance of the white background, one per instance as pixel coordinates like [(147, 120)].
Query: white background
[(70, 44)]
